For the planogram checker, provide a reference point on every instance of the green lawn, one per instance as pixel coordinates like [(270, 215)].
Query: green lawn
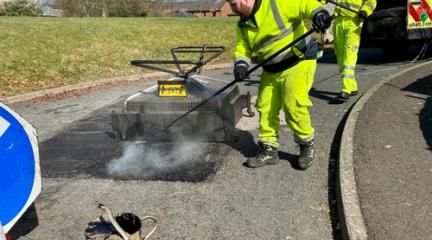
[(41, 53)]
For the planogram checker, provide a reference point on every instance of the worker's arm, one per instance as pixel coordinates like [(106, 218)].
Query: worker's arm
[(368, 6), (242, 51), (315, 10), (310, 8)]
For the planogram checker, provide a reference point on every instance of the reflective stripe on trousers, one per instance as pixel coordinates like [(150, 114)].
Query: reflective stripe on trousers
[(347, 32), (287, 90)]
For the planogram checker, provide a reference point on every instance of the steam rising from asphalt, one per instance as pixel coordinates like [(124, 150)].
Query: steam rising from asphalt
[(145, 159)]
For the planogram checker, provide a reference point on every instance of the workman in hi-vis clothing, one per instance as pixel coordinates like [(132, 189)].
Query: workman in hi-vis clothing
[(346, 30), (266, 26)]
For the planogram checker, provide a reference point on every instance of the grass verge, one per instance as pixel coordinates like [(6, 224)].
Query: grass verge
[(41, 53)]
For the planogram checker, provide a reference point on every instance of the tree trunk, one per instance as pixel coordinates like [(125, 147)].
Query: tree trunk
[(104, 9)]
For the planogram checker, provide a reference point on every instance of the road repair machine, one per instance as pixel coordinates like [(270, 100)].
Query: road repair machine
[(187, 106), (158, 113)]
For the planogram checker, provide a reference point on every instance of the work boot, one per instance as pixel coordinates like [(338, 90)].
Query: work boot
[(353, 93), (306, 155), (266, 155), (342, 97)]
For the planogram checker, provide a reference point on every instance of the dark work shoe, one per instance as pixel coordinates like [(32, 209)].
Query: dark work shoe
[(266, 155), (342, 97), (307, 153), (353, 93)]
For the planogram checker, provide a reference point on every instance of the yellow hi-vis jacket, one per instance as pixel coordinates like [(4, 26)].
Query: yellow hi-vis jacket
[(273, 25), (357, 5)]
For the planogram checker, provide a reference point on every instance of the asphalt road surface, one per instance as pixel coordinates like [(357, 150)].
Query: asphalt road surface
[(196, 190), (392, 156)]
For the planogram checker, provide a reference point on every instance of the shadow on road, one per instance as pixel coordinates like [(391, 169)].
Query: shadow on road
[(372, 56), (27, 223), (424, 86), (339, 229), (291, 158), (426, 121), (330, 97), (324, 95), (246, 144)]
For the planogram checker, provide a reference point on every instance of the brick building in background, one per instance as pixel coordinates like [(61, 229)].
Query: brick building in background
[(199, 8)]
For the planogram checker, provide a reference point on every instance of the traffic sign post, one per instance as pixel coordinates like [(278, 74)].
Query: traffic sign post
[(20, 179)]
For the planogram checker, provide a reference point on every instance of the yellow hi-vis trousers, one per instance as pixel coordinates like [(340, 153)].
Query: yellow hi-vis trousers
[(287, 90), (346, 32)]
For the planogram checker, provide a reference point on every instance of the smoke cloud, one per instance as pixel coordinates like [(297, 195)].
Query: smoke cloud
[(147, 159)]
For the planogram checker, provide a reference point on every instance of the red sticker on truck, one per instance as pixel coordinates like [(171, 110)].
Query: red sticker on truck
[(419, 14)]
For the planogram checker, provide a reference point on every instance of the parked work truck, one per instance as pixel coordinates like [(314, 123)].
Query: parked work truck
[(396, 25)]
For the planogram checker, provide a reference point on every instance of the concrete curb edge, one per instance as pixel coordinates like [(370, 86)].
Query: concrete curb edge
[(95, 84), (349, 211)]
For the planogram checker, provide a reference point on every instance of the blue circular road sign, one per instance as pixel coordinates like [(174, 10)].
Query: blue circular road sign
[(20, 181)]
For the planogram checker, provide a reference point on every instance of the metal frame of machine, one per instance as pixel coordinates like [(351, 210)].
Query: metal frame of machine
[(154, 108)]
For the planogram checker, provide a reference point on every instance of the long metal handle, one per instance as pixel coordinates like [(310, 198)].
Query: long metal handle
[(248, 72), (344, 7)]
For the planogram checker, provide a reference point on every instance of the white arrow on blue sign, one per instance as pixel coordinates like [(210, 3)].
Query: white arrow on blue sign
[(20, 179)]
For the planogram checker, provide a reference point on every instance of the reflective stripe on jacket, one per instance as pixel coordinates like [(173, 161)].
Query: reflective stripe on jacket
[(357, 5), (275, 24)]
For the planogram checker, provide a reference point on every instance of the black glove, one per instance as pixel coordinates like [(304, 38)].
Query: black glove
[(240, 72), (321, 21), (363, 14)]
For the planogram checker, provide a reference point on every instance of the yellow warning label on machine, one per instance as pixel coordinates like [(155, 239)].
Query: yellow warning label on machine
[(172, 89)]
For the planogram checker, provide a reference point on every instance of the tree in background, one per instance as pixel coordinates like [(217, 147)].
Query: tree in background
[(21, 8), (102, 8), (156, 9)]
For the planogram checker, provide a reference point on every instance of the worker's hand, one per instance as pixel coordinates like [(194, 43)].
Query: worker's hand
[(363, 14), (240, 72), (321, 21)]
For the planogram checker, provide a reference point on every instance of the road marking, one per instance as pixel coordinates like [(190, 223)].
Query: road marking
[(4, 125)]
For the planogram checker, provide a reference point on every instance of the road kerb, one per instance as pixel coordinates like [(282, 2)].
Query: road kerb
[(94, 85), (350, 215)]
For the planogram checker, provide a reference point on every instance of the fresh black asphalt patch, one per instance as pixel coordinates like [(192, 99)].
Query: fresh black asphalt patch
[(87, 150)]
